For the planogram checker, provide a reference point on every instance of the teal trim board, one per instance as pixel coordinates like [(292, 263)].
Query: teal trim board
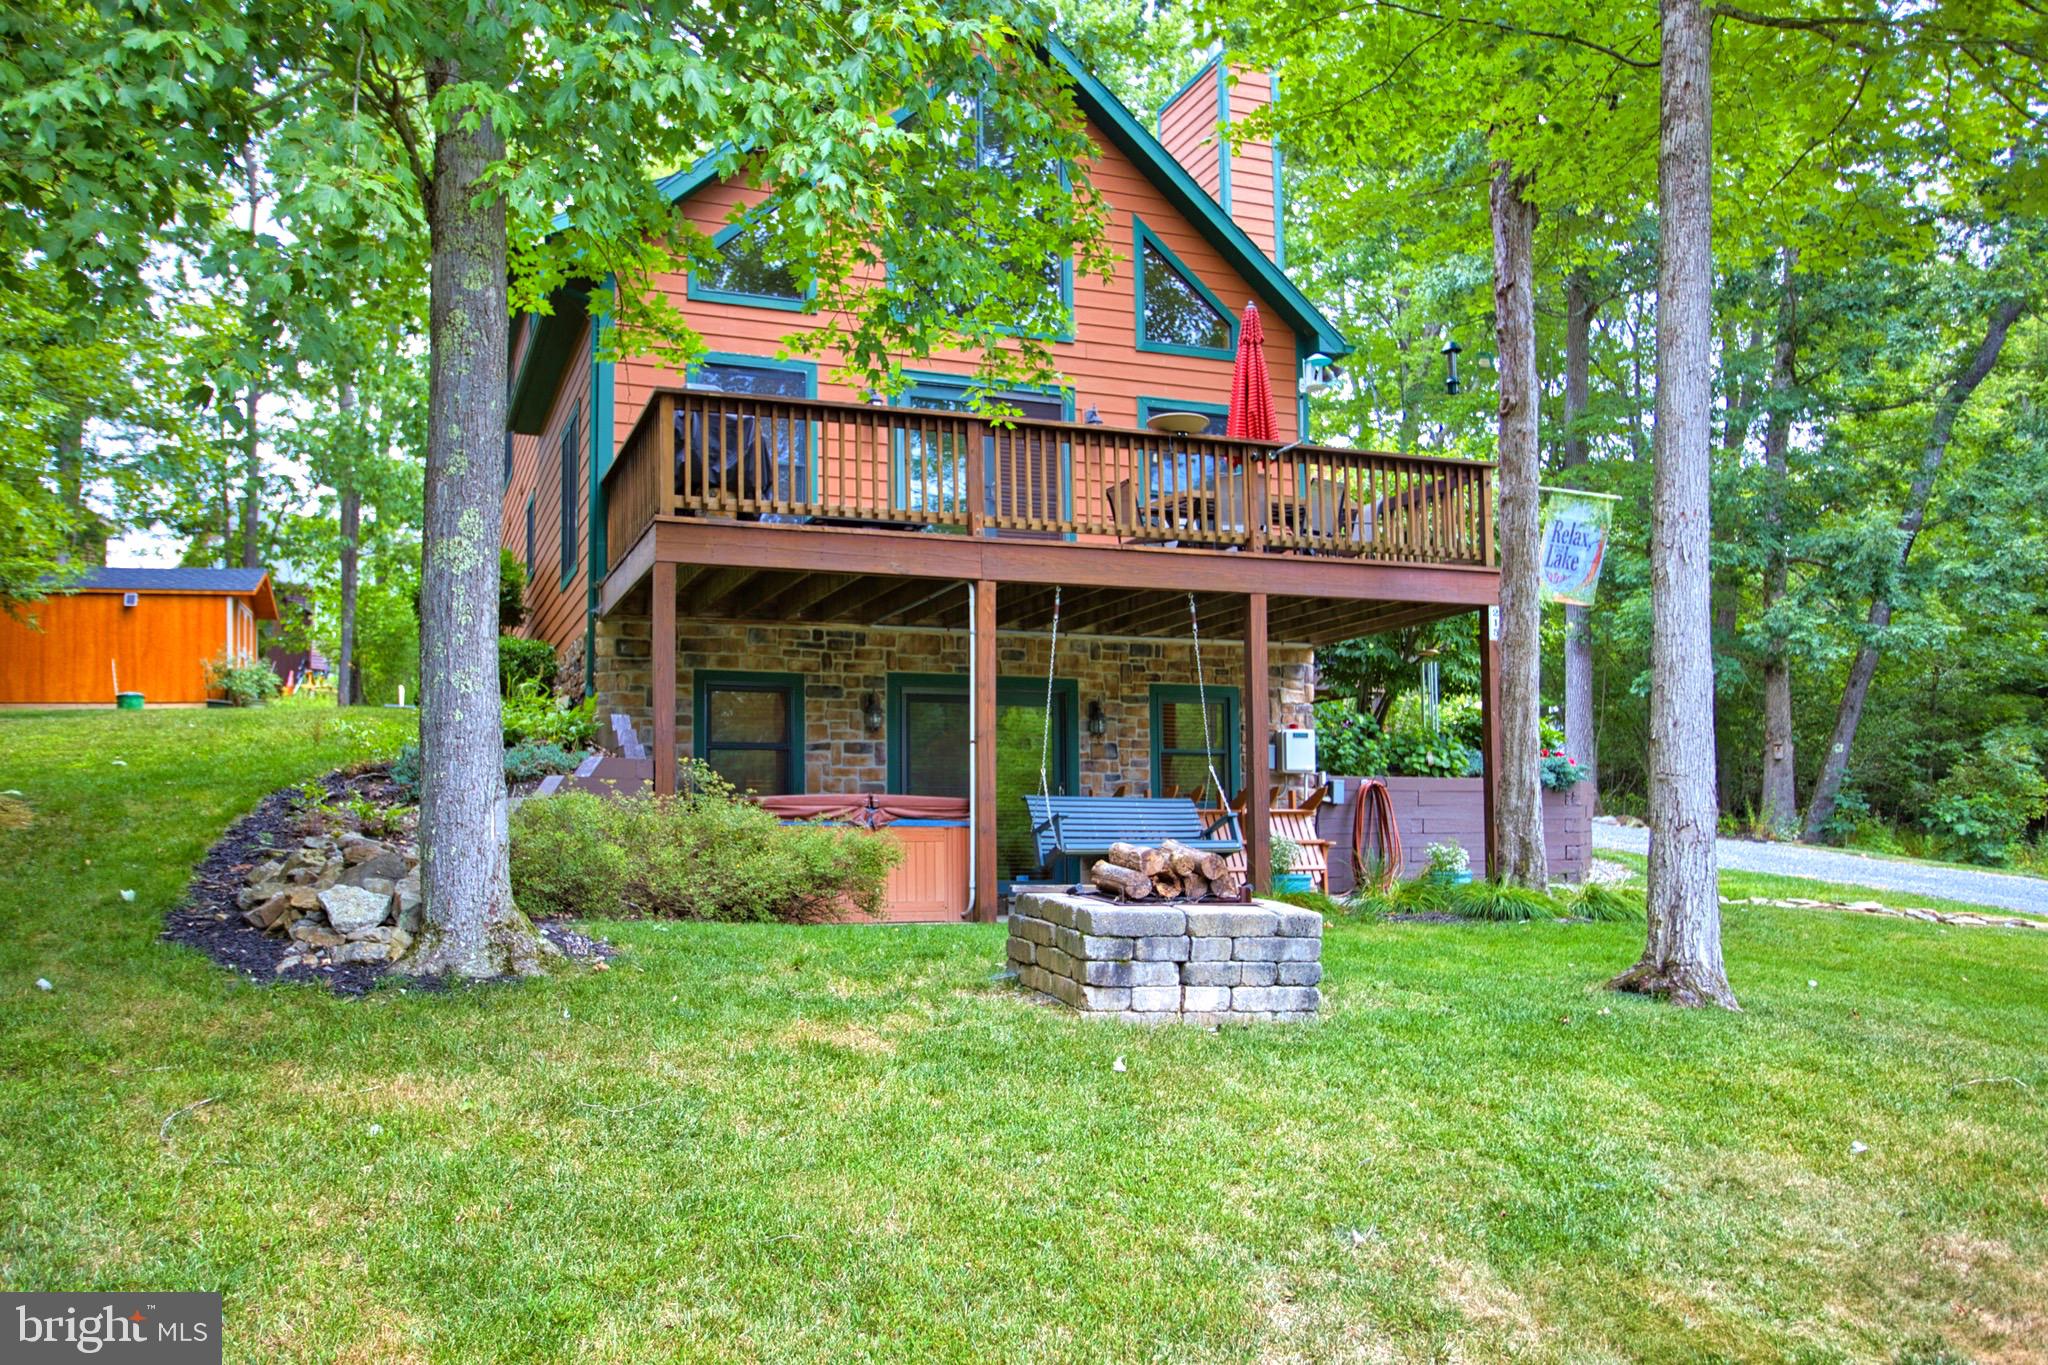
[(603, 449)]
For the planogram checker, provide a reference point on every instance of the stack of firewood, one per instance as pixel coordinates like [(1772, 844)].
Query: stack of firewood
[(1171, 871)]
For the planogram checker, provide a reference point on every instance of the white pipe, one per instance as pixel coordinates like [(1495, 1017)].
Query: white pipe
[(973, 750)]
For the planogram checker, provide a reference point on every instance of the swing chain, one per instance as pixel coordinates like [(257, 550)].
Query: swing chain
[(1052, 655), (1202, 701)]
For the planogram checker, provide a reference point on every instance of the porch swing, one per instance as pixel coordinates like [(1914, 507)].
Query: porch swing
[(1085, 826)]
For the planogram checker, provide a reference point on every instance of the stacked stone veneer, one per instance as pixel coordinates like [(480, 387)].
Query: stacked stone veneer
[(840, 665), (1206, 964)]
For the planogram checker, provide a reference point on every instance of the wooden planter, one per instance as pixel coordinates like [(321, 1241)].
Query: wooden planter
[(1435, 810)]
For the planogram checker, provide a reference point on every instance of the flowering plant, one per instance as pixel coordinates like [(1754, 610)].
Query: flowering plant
[(1560, 772), (1448, 858)]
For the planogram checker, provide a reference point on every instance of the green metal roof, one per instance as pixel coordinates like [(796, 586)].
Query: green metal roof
[(539, 376)]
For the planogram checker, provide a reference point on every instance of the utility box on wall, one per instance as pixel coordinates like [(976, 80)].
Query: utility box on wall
[(1294, 751)]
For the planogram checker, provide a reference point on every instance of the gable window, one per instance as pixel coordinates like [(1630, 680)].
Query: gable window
[(749, 269), (750, 728), (1176, 312), (1183, 753), (738, 441)]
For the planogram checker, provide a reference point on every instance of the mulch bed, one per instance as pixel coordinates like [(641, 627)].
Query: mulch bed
[(211, 920)]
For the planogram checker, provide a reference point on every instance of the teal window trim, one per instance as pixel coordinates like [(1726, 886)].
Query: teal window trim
[(806, 368), (1014, 691), (568, 467), (529, 537), (938, 384), (705, 680), (1233, 746), (1150, 404), (1142, 237), (704, 293)]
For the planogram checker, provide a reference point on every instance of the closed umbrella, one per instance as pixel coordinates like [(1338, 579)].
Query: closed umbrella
[(1251, 386)]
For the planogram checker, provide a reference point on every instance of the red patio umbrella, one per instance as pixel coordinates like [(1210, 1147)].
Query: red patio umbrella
[(1251, 386)]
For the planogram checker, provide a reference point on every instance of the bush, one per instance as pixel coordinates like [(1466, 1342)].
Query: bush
[(1984, 805), (705, 854), (523, 763), (1607, 904), (526, 761), (511, 590), (522, 661), (1320, 902), (534, 712), (246, 684)]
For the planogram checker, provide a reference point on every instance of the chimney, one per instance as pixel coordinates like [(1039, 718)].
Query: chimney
[(1246, 181)]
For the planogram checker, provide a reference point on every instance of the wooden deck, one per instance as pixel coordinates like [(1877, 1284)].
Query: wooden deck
[(740, 508)]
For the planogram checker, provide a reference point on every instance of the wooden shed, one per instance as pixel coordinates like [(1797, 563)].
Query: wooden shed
[(155, 630)]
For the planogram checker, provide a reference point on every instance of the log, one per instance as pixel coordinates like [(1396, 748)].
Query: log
[(1194, 887), (1165, 885), (1228, 887), (1138, 858), (1122, 881), (1181, 860)]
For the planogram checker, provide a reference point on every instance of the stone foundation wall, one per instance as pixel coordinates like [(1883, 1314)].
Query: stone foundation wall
[(1198, 963), (840, 665)]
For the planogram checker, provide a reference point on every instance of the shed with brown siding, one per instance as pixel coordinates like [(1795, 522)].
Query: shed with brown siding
[(153, 630)]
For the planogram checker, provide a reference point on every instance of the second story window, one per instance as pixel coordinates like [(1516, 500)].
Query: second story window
[(1176, 312), (749, 269), (570, 466)]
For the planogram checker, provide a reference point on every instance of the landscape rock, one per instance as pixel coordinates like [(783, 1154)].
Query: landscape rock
[(351, 907), (314, 934), (409, 905), (386, 866)]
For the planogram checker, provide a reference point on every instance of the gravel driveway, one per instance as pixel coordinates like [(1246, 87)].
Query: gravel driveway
[(2001, 889)]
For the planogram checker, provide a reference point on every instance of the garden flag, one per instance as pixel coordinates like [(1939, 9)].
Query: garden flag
[(1574, 545)]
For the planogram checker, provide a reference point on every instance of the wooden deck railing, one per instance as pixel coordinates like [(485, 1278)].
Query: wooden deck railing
[(740, 456)]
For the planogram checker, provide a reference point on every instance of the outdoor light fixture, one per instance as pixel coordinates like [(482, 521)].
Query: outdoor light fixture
[(1451, 349), (1098, 724), (1316, 375), (871, 713)]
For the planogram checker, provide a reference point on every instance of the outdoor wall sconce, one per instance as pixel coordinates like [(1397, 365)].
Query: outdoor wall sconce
[(871, 713), (1451, 349), (1098, 724)]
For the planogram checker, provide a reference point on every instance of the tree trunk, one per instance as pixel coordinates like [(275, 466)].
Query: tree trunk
[(1780, 796), (1850, 714), (1580, 742), (1682, 950), (472, 928), (351, 525), (1519, 814)]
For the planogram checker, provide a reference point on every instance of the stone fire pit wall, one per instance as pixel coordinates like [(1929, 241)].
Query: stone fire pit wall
[(1205, 964)]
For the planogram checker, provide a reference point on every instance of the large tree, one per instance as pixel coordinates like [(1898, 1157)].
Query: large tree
[(525, 134)]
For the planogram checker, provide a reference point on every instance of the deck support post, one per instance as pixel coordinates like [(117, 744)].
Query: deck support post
[(1257, 725), (662, 680), (1489, 739), (983, 703)]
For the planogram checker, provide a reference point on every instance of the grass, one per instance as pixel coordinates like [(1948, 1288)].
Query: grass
[(1740, 885), (855, 1143)]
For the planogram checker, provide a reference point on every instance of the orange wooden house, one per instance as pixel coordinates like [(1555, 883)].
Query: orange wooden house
[(822, 595), (151, 631)]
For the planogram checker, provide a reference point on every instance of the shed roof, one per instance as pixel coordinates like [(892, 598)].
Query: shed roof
[(229, 582)]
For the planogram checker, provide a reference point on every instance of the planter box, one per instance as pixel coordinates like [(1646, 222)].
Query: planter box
[(1434, 810)]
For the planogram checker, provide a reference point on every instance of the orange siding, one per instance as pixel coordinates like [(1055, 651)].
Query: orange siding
[(161, 646), (1251, 163), (554, 610), (1187, 129), (1102, 363)]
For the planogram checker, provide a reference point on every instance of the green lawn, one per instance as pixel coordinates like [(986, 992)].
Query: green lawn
[(855, 1143)]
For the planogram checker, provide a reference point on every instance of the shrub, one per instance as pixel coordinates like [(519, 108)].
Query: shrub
[(533, 711), (246, 684), (1320, 902), (523, 763), (511, 590), (1984, 805), (1499, 902), (703, 854), (1281, 855), (531, 759), (522, 661)]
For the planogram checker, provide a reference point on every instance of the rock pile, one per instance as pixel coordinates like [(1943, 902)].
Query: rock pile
[(339, 899)]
